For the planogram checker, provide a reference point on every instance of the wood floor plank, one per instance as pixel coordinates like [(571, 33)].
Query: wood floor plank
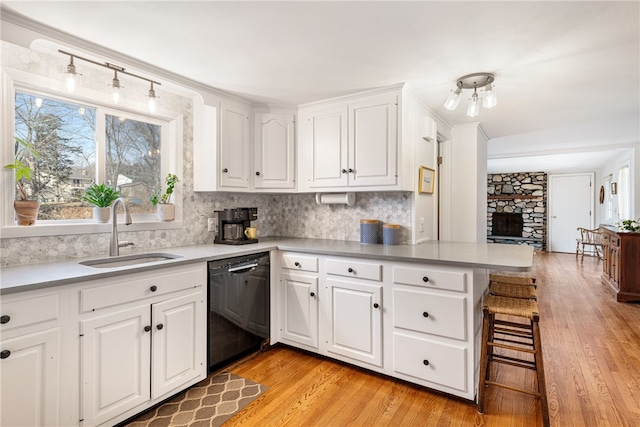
[(591, 350)]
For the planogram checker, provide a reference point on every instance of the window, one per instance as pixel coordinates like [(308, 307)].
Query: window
[(73, 154), (624, 193)]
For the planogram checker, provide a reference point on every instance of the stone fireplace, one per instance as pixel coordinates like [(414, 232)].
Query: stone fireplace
[(517, 208)]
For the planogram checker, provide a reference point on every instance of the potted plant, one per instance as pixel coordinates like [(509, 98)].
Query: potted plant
[(101, 197), (166, 209), (26, 210)]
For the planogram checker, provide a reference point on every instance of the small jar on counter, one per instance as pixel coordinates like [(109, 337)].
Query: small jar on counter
[(369, 230), (391, 234)]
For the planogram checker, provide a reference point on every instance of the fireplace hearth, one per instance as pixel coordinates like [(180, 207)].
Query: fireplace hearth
[(507, 224)]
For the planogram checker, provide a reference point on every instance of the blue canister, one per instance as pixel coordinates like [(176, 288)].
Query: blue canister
[(391, 234), (369, 231)]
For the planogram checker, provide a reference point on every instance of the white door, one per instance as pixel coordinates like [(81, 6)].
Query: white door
[(300, 313), (373, 141), (355, 321), (570, 205), (234, 147), (178, 342), (323, 148), (274, 151), (115, 367), (29, 372)]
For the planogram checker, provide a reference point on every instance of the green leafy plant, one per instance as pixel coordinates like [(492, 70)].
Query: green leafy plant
[(22, 169), (100, 195), (171, 182), (629, 225)]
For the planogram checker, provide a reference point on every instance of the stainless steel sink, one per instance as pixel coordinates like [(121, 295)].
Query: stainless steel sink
[(127, 260)]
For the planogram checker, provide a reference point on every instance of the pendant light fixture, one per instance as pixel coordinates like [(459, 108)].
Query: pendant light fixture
[(473, 81), (70, 75), (116, 87)]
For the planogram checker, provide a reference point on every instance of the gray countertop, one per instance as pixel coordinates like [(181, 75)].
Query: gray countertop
[(460, 254)]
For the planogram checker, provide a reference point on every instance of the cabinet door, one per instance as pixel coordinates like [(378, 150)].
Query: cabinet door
[(234, 147), (29, 390), (373, 141), (355, 320), (115, 360), (179, 338), (324, 148), (274, 156), (300, 308)]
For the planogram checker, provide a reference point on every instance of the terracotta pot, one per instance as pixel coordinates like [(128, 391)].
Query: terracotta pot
[(26, 211), (166, 211), (101, 214)]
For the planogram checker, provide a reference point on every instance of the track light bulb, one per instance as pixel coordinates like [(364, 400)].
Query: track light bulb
[(473, 109), (71, 76), (453, 100), (152, 99), (116, 88), (489, 100)]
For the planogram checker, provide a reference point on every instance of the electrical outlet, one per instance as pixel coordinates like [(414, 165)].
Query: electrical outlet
[(422, 225), (211, 224)]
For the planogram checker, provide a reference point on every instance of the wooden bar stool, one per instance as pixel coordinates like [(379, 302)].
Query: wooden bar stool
[(512, 286), (513, 337)]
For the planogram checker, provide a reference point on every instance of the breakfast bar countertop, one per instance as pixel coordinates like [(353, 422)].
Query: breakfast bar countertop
[(519, 258)]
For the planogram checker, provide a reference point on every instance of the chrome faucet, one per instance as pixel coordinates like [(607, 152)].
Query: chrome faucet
[(114, 247)]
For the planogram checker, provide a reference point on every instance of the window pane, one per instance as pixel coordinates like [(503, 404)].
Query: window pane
[(624, 193), (63, 134), (133, 160)]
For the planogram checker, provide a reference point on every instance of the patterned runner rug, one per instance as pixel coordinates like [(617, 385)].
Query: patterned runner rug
[(209, 403)]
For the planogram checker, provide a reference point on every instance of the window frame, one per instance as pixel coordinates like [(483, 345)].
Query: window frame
[(171, 150)]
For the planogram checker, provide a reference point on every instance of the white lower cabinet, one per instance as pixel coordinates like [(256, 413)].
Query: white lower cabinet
[(142, 339), (412, 321), (299, 316), (355, 320), (31, 358)]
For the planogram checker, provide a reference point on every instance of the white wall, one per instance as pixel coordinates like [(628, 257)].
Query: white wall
[(468, 188)]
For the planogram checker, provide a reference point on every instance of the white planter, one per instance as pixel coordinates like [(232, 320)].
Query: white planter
[(166, 211), (101, 214)]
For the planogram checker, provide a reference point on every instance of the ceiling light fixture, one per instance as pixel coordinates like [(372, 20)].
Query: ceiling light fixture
[(115, 83), (71, 75), (152, 99), (473, 81)]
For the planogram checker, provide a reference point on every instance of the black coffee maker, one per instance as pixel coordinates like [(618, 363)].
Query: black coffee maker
[(232, 224)]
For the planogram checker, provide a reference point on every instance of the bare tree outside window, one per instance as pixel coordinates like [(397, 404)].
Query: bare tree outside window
[(64, 133)]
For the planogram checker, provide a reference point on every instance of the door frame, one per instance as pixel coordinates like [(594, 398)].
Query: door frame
[(550, 190)]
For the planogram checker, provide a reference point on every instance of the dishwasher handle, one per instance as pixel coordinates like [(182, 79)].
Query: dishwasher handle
[(242, 268)]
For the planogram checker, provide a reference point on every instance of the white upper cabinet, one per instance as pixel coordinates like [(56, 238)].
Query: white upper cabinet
[(350, 144), (235, 158), (274, 151)]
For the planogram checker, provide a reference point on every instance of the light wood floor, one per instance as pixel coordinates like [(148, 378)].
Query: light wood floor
[(591, 348)]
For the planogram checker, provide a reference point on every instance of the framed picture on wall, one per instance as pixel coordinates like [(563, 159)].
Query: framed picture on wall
[(614, 188), (427, 180)]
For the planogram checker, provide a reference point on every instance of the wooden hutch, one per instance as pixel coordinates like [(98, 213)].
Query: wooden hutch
[(621, 268)]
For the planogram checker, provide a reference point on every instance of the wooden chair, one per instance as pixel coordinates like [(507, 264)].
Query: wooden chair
[(590, 238), (512, 286)]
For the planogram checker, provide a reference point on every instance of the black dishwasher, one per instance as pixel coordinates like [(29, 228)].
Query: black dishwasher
[(238, 307)]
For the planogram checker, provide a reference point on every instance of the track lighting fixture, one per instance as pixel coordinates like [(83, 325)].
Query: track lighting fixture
[(71, 74), (473, 81), (152, 99)]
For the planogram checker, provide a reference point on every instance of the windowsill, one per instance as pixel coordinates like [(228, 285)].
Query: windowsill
[(89, 227)]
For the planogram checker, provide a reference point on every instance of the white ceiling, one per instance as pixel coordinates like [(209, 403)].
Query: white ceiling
[(567, 73)]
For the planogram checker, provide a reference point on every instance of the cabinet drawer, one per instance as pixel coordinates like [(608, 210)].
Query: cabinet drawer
[(356, 269), (24, 311), (128, 289), (430, 361), (431, 278), (300, 262), (443, 315)]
